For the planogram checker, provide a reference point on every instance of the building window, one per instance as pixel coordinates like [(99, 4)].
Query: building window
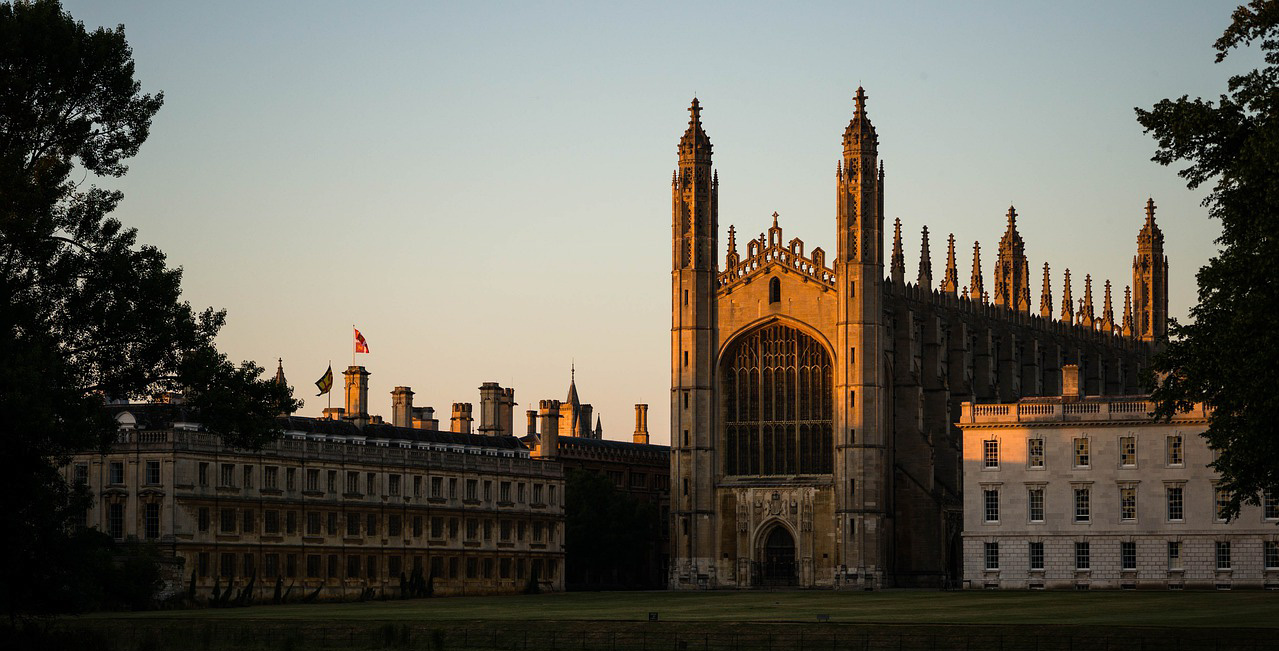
[(313, 524), (352, 566), (202, 561), (291, 566), (537, 489), (437, 487), (1174, 555), (488, 529), (151, 521), (472, 490), (1035, 504), (504, 492), (370, 567), (1128, 503), (992, 556), (228, 475), (1175, 512), (472, 529), (1081, 452), (452, 488), (393, 568), (271, 477), (352, 483), (990, 453), (1128, 451), (1082, 505), (1270, 504), (227, 565), (153, 473), (370, 524), (1128, 555), (333, 483), (504, 530), (333, 523), (248, 520), (271, 565), (488, 490), (352, 524), (370, 483), (1083, 556), (437, 527), (417, 526), (1223, 554), (774, 290), (202, 518), (1221, 502), (1037, 556), (332, 566), (992, 504), (1272, 555), (519, 492), (248, 476), (203, 473), (312, 480), (417, 486), (290, 479), (248, 565), (1036, 453), (271, 522), (117, 473), (291, 522), (226, 521), (537, 532), (777, 402), (393, 485), (1175, 457)]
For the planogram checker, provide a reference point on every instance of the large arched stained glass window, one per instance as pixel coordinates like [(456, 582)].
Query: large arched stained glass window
[(777, 393)]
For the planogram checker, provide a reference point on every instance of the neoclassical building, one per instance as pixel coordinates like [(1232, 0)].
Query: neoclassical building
[(814, 395)]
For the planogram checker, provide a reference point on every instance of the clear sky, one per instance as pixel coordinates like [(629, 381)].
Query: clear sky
[(483, 188)]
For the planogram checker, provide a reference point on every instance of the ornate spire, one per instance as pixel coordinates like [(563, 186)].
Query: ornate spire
[(1086, 316), (975, 291), (1126, 330), (695, 146), (898, 265), (279, 374), (571, 399), (1046, 297), (860, 134), (925, 278), (1067, 303), (950, 280), (1107, 313), (1012, 287)]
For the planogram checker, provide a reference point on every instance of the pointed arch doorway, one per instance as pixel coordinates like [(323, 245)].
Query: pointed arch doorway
[(776, 559)]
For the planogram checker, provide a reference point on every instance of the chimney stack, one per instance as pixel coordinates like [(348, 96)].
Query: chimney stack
[(506, 412), (550, 415), (424, 418), (461, 418), (357, 395), (402, 407), (641, 424), (1071, 389), (532, 421), (490, 394)]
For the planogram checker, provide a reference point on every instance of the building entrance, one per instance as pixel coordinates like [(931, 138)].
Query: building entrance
[(777, 567)]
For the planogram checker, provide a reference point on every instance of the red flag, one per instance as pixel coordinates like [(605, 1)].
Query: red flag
[(361, 346)]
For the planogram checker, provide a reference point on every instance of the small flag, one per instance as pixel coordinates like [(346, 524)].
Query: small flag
[(326, 382), (361, 346)]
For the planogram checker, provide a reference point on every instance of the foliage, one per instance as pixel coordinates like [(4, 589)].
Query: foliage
[(1227, 357), (608, 533), (86, 313)]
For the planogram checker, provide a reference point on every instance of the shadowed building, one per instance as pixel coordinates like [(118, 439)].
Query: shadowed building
[(813, 395)]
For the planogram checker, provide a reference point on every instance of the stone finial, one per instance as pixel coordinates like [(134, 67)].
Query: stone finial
[(1126, 330), (1107, 313), (1067, 303), (975, 290), (1086, 316), (898, 263), (950, 281), (1046, 297), (925, 279)]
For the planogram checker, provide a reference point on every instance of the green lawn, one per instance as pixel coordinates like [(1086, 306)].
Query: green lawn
[(1159, 609)]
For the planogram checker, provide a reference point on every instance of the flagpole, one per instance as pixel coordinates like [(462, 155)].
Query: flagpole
[(352, 344), (330, 391)]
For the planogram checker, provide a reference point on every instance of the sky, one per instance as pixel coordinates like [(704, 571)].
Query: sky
[(482, 188)]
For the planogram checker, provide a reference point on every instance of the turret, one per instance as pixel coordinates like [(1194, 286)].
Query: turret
[(461, 420), (1150, 281), (357, 395), (1012, 287), (641, 424)]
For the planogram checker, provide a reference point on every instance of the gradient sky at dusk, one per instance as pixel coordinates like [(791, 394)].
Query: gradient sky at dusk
[(484, 188)]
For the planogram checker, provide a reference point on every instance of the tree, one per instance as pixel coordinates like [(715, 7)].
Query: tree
[(1227, 355), (609, 535), (86, 314)]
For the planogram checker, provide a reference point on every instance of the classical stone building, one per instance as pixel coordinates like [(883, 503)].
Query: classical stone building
[(813, 396), (340, 504), (1080, 492)]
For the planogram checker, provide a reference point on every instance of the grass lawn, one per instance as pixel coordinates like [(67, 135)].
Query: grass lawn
[(1121, 609)]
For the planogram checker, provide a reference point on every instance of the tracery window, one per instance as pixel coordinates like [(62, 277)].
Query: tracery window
[(777, 393)]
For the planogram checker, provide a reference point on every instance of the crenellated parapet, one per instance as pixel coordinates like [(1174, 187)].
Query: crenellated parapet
[(769, 250)]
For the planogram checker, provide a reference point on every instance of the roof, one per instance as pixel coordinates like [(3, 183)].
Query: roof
[(391, 432)]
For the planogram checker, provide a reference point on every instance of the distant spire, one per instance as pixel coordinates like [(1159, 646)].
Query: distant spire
[(599, 429), (1067, 303), (975, 291), (898, 265), (860, 136), (695, 146), (1086, 316), (925, 279), (1126, 330), (571, 399), (732, 239), (1046, 297), (279, 374), (1107, 313), (950, 280), (1012, 287)]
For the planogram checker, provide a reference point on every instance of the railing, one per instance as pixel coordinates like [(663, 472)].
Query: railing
[(1094, 409)]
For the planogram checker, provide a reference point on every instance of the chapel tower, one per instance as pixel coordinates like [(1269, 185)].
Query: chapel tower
[(1150, 281), (1012, 272), (694, 338), (861, 439)]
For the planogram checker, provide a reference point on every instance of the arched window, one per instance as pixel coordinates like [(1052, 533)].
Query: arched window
[(777, 393), (775, 290)]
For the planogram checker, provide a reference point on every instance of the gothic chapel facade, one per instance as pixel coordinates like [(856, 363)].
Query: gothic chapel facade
[(813, 399)]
